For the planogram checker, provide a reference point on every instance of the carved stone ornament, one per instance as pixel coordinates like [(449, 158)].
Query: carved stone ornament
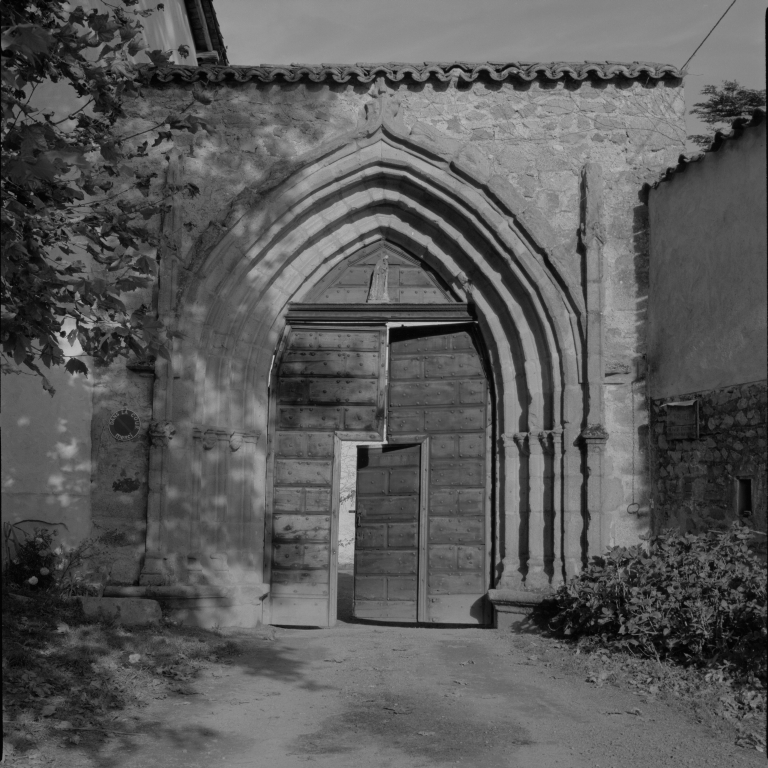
[(594, 433), (465, 284), (520, 439), (161, 433), (209, 439), (236, 440), (379, 291)]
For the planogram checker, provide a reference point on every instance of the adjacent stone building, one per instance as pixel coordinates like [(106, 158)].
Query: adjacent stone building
[(707, 335)]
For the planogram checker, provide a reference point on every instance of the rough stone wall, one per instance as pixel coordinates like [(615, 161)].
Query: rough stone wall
[(120, 469), (695, 480), (537, 135)]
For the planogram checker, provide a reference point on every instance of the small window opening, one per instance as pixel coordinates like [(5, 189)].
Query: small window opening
[(744, 496)]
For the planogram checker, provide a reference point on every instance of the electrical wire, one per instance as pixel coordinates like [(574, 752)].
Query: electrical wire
[(708, 34)]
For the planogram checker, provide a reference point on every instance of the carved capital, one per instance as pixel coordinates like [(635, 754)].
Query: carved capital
[(510, 444), (161, 433), (209, 439), (537, 442), (520, 438)]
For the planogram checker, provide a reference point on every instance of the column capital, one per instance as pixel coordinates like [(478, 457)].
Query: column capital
[(521, 438), (537, 442), (161, 433), (594, 436), (509, 441)]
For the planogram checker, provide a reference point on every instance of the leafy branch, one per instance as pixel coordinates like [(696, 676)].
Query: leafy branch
[(72, 183)]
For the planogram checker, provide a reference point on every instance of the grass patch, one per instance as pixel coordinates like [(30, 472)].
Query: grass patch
[(68, 679)]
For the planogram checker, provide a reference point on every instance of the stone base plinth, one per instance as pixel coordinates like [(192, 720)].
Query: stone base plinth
[(513, 609), (124, 610), (203, 605)]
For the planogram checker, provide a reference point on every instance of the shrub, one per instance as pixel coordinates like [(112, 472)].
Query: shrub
[(693, 599), (33, 562), (36, 563)]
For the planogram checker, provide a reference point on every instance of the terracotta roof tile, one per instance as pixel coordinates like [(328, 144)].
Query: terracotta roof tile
[(467, 72)]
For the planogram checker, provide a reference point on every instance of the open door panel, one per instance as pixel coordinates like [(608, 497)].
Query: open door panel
[(387, 536)]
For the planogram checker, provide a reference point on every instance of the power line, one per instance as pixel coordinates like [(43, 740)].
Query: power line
[(708, 34)]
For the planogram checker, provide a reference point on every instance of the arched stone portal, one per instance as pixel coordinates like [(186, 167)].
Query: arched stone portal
[(207, 517)]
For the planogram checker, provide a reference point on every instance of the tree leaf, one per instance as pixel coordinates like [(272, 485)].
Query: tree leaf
[(73, 365)]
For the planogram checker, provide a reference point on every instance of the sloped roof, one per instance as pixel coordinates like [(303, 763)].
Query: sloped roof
[(735, 131), (463, 71)]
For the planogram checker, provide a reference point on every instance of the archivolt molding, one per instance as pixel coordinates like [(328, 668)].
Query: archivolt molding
[(423, 194), (460, 170)]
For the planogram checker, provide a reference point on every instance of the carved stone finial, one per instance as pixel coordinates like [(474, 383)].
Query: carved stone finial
[(382, 110), (161, 433), (209, 439), (378, 87)]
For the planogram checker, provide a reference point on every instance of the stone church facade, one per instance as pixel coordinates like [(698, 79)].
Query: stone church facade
[(496, 211), (447, 262)]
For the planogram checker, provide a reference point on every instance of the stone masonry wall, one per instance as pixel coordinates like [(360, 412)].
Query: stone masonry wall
[(695, 480), (538, 135)]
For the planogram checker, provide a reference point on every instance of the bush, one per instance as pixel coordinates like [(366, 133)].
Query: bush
[(34, 562), (693, 599)]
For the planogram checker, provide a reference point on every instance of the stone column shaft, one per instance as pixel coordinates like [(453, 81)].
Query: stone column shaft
[(557, 505), (510, 575), (536, 577), (573, 519)]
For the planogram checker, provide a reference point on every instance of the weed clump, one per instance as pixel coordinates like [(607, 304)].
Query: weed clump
[(693, 599)]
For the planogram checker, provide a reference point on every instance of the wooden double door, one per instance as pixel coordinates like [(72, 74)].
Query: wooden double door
[(423, 543)]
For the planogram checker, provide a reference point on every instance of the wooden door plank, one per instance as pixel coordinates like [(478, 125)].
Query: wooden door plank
[(400, 611), (386, 547), (334, 532), (307, 527), (326, 380), (438, 387), (457, 609), (423, 567)]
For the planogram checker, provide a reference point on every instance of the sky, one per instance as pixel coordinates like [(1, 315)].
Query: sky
[(349, 31)]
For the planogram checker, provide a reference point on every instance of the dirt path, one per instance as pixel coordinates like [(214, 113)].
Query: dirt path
[(359, 696)]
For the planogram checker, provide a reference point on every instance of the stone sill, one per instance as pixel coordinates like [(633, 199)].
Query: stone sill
[(517, 598)]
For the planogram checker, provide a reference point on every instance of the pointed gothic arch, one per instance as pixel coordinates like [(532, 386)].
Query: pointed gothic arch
[(381, 183)]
